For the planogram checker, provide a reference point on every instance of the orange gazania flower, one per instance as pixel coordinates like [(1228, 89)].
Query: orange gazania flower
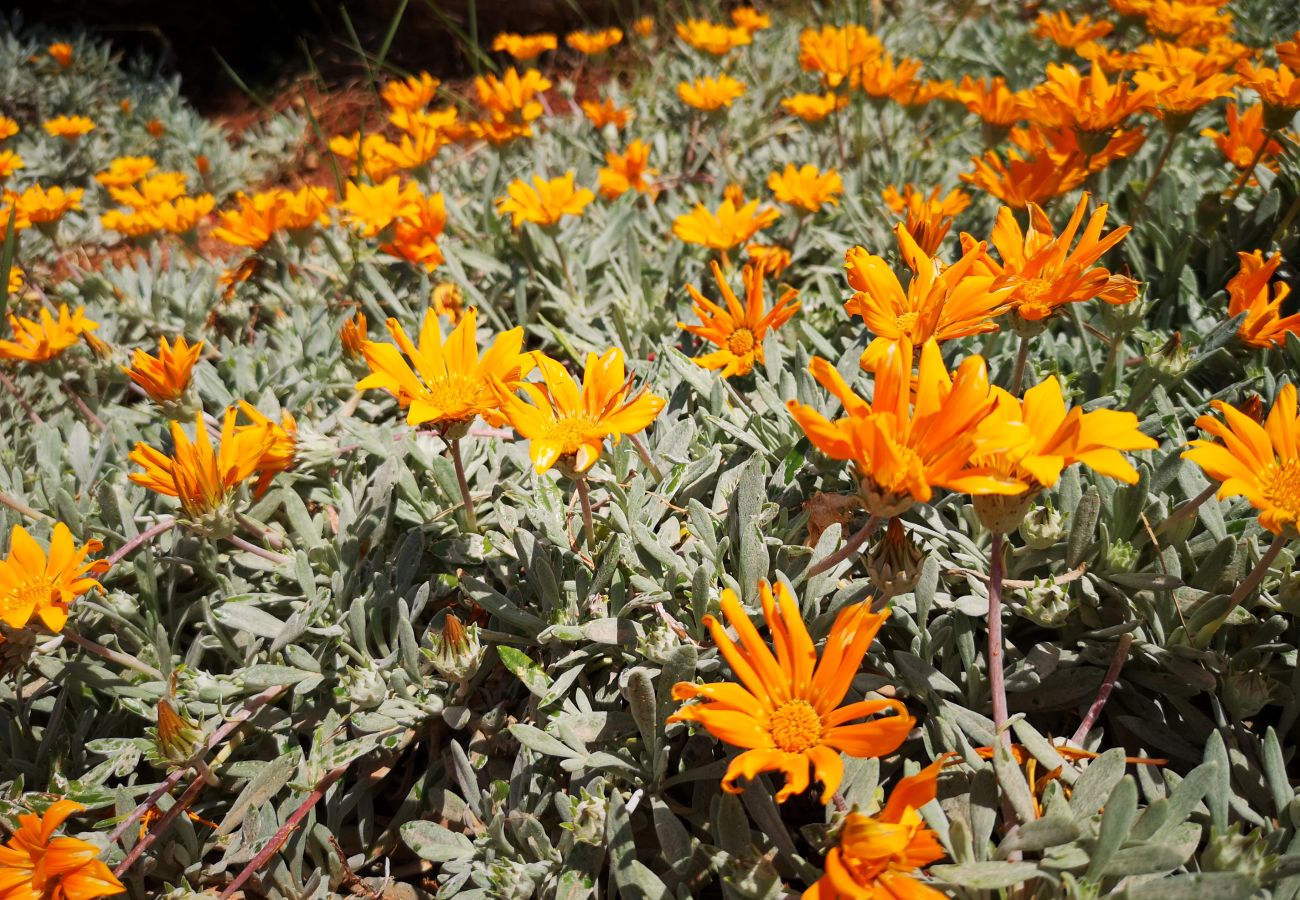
[(184, 214), (785, 712), (38, 206), (750, 19), (813, 107), (32, 584), (353, 335), (1025, 177), (729, 227), (1244, 141), (836, 52), (42, 341), (68, 127), (567, 424), (1248, 292), (373, 208), (876, 854), (738, 331), (806, 187), (605, 113), (1043, 270), (993, 101), (628, 171), (927, 218), (416, 232), (1176, 96), (150, 191), (710, 94), (940, 303), (512, 96), (450, 384), (166, 376), (770, 259), (711, 37), (1169, 58), (62, 53), (280, 451), (259, 216), (1288, 52), (903, 450), (1088, 103), (594, 42), (415, 92), (8, 128), (644, 26), (1189, 23), (10, 162), (1279, 89), (879, 76), (524, 46), (36, 865), (1069, 33), (546, 202), (1258, 462)]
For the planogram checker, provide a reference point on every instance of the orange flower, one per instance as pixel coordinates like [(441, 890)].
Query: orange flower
[(805, 187), (371, 209), (410, 94), (1090, 104), (1288, 53), (416, 232), (131, 223), (10, 162), (710, 37), (1248, 292), (8, 128), (1176, 96), (1244, 143), (880, 77), (928, 217), (813, 107), (62, 53), (770, 259), (729, 227), (738, 331), (155, 128), (710, 94), (567, 424), (68, 127), (125, 171), (1025, 177), (1189, 23), (993, 101), (628, 171), (40, 342), (593, 42), (448, 300), (546, 203), (875, 854), (152, 190), (785, 712), (1163, 57), (1065, 32), (524, 46), (280, 451), (836, 52), (644, 26), (37, 206), (606, 113), (166, 376), (259, 216), (1279, 89), (35, 864), (353, 336), (32, 584), (512, 96), (940, 303), (184, 214), (750, 19)]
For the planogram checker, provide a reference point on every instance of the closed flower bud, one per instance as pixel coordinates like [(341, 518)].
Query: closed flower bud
[(1172, 360), (1047, 604), (176, 739), (587, 820), (1042, 528), (1003, 513), (363, 688), (1119, 556), (1247, 854), (455, 649), (894, 561), (315, 450)]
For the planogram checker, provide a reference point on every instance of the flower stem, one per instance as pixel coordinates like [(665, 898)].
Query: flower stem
[(22, 508), (248, 547), (584, 497), (644, 452), (22, 401), (1141, 204), (997, 677), (113, 656), (467, 502), (1103, 693), (162, 526), (1247, 587), (850, 547), (1018, 374), (564, 265), (184, 802), (1187, 509)]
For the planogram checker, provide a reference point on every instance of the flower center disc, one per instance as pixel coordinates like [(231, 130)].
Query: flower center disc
[(906, 322), (1282, 488), (1028, 298), (795, 726), (741, 341)]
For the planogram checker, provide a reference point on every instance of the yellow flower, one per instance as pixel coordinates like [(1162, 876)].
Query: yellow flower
[(8, 128), (567, 424), (450, 384), (771, 259), (16, 279), (523, 46), (280, 451), (32, 584), (836, 52), (410, 94), (606, 113), (644, 26), (183, 215), (126, 170), (875, 854), (1258, 462), (805, 187), (512, 95), (166, 376), (738, 331), (813, 107), (131, 223), (1248, 292), (39, 342), (750, 19), (902, 449), (627, 171), (728, 227), (928, 217), (68, 127), (10, 162), (786, 711), (546, 202), (372, 208), (593, 42), (448, 300), (710, 94), (710, 37), (37, 206), (150, 191), (62, 53), (36, 864)]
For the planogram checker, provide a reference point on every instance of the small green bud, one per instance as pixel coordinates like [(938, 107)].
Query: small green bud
[(1042, 528), (894, 561), (1120, 556), (1048, 605)]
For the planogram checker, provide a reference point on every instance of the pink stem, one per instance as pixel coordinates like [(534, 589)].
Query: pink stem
[(144, 537), (1103, 694)]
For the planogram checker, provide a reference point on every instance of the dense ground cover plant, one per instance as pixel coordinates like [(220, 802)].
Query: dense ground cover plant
[(838, 452)]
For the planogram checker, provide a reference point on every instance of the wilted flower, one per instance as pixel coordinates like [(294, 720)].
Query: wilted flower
[(1248, 292), (43, 340), (352, 336), (738, 331), (34, 584), (594, 42), (524, 46), (448, 300), (36, 864), (710, 94), (728, 227), (166, 376), (806, 187), (546, 202), (68, 127), (628, 171)]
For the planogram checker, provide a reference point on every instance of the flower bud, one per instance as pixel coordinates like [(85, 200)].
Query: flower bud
[(314, 450), (364, 688), (1172, 360), (1047, 604), (1003, 513), (512, 880), (587, 820), (1042, 528), (455, 650), (894, 561), (1119, 556), (1232, 851), (176, 739)]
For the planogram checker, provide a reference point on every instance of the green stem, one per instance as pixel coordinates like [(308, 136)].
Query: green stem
[(467, 502), (997, 676)]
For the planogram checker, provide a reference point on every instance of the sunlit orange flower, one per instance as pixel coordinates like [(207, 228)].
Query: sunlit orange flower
[(750, 19), (416, 232), (1176, 96), (805, 187), (711, 37), (881, 77), (280, 450), (1188, 23), (1244, 142), (16, 280), (166, 376), (372, 208), (628, 171), (131, 223), (1024, 177), (424, 134), (524, 46), (770, 259), (150, 191), (813, 107), (605, 113), (1069, 33), (512, 96), (413, 93), (593, 42), (32, 584), (644, 26), (786, 711), (546, 202), (1090, 103), (728, 227), (68, 127), (1258, 462), (353, 335), (126, 170), (876, 854), (303, 208), (1167, 58), (566, 424), (710, 94), (940, 303), (836, 52), (1249, 293), (10, 162), (1288, 52), (993, 101), (927, 218), (184, 214), (38, 206), (43, 340), (902, 450), (1278, 89), (251, 224), (61, 52), (738, 331), (36, 865), (1065, 146), (8, 128)]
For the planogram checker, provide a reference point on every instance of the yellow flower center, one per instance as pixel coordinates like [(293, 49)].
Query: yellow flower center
[(569, 432), (906, 323), (1028, 298), (741, 341), (1282, 488), (795, 726), (32, 592), (453, 393)]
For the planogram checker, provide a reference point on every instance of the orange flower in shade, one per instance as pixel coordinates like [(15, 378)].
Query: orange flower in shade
[(710, 94), (770, 259), (1258, 462), (280, 452), (738, 331), (813, 107), (1248, 292), (1043, 270), (567, 424), (1243, 144), (927, 217), (524, 46), (1288, 52), (1278, 89), (1090, 104), (201, 477), (876, 854), (805, 187), (750, 19), (902, 449), (166, 376), (1069, 33), (372, 208), (594, 42), (353, 335), (68, 127), (644, 26), (993, 101), (710, 37), (546, 202), (940, 303), (786, 711), (605, 113), (32, 584), (728, 227), (10, 162), (512, 96), (836, 52), (416, 232), (628, 171), (62, 53), (8, 128), (36, 865), (38, 206), (450, 384), (42, 341)]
